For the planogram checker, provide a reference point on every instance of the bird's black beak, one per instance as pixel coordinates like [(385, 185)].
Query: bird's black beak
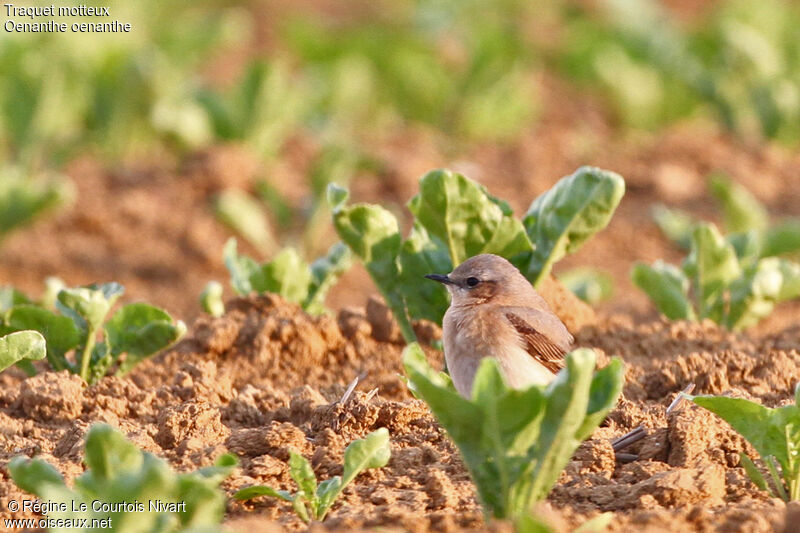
[(441, 278)]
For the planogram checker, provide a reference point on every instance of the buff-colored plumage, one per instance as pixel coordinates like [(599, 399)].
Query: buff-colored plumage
[(495, 312)]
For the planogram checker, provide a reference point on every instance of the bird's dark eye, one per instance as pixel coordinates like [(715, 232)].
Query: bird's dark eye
[(472, 281)]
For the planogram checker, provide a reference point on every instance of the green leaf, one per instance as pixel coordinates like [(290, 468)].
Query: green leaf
[(559, 221), (675, 224), (668, 288), (141, 330), (325, 271), (21, 346), (109, 454), (59, 331), (711, 266), (754, 474), (22, 200), (748, 246), (373, 451), (33, 475), (89, 305), (516, 442), (754, 295), (372, 234), (772, 432), (461, 214), (783, 238), (302, 474), (241, 268), (53, 286), (336, 195), (589, 284), (287, 275), (211, 299), (261, 490), (531, 524), (740, 210), (245, 215)]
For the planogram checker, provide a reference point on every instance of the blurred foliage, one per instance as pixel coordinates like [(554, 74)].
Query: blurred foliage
[(741, 60)]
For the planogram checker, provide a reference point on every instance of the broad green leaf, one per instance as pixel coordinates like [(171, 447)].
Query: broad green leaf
[(109, 454), (783, 238), (59, 331), (287, 275), (461, 214), (32, 475), (589, 284), (89, 305), (324, 273), (211, 299), (373, 235), (141, 330), (754, 295), (302, 474), (261, 490), (748, 246), (675, 224), (22, 199), (740, 209), (711, 266), (327, 492), (559, 221), (246, 216), (423, 254), (241, 268), (20, 346), (763, 427), (668, 288), (373, 451), (516, 442)]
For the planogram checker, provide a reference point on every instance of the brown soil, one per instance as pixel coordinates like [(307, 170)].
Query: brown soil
[(266, 378)]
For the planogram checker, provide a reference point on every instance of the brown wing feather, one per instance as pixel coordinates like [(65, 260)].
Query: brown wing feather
[(538, 345)]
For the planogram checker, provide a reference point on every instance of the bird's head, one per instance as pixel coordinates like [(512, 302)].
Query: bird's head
[(485, 278)]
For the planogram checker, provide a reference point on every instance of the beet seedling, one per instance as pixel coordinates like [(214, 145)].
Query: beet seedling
[(134, 490), (774, 433), (515, 443), (79, 325), (456, 218), (713, 282), (312, 501)]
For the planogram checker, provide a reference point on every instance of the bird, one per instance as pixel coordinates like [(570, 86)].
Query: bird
[(495, 312)]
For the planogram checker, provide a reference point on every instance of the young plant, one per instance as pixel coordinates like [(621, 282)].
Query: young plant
[(774, 433), (745, 220), (591, 285), (456, 218), (312, 501), (22, 200), (288, 275), (21, 348), (79, 324), (515, 443), (714, 283), (211, 299), (140, 489)]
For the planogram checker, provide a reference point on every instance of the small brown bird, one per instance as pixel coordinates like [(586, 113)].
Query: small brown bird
[(495, 312)]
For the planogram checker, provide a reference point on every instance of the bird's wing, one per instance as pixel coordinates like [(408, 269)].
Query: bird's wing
[(542, 335)]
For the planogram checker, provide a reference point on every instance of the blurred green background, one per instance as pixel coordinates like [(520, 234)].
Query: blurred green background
[(351, 77)]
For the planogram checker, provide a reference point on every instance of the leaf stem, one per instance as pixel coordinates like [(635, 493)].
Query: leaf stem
[(87, 353)]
